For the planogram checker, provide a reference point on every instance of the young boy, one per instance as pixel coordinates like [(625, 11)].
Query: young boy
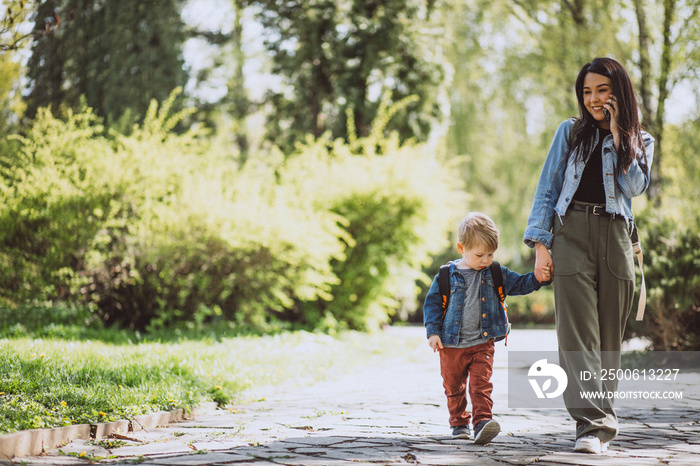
[(465, 332)]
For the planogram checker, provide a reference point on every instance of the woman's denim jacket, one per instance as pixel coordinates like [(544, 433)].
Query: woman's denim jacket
[(560, 178), (494, 323)]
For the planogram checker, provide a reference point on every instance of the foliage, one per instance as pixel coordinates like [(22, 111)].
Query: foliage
[(335, 55), (533, 309), (12, 35), (54, 195), (672, 273), (502, 71), (117, 54), (201, 240), (49, 383), (670, 241), (397, 208), (154, 229), (683, 167), (10, 102), (514, 68)]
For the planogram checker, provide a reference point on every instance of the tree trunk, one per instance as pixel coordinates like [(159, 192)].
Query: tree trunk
[(655, 122), (241, 103), (577, 7), (655, 188), (644, 65)]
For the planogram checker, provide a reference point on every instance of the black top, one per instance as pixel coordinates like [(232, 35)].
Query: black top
[(591, 189)]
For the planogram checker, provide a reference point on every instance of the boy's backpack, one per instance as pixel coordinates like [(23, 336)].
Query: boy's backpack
[(446, 290)]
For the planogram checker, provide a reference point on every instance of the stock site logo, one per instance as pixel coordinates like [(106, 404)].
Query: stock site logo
[(542, 369)]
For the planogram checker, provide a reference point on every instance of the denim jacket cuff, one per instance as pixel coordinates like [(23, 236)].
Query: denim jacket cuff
[(533, 236), (433, 329)]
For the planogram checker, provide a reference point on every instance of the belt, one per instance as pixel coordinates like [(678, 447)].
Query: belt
[(594, 209)]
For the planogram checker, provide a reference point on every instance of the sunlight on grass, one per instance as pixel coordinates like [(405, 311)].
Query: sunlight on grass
[(49, 383)]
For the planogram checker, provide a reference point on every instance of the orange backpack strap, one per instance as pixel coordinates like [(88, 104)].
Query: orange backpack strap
[(444, 285), (497, 275)]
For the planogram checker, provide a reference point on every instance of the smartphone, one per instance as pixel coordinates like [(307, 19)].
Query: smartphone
[(606, 112)]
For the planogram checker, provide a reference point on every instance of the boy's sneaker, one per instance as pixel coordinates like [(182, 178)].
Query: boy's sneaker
[(590, 444), (461, 432), (485, 431)]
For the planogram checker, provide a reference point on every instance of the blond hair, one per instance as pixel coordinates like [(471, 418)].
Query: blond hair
[(478, 229)]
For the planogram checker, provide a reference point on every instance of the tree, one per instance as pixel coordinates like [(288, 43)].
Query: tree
[(240, 102), (514, 65), (47, 62), (117, 54), (679, 53), (12, 35), (340, 55), (10, 102)]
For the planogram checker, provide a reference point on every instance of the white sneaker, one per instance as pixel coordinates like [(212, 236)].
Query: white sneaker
[(590, 444)]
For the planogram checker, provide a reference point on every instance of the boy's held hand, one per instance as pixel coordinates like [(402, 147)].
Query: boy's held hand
[(435, 343)]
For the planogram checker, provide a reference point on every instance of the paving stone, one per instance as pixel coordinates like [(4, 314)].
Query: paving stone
[(521, 459), (246, 463), (455, 460), (360, 444), (284, 445), (661, 442), (685, 448), (395, 413), (438, 447), (584, 459), (683, 459), (195, 459), (321, 440), (155, 448), (311, 461), (47, 460), (360, 454), (310, 451)]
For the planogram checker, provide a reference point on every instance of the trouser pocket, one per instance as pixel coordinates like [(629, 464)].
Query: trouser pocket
[(620, 255), (570, 243)]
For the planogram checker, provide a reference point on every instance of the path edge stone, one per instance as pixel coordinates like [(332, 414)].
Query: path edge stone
[(33, 442)]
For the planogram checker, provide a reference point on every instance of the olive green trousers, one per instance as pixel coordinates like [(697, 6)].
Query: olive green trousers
[(593, 291)]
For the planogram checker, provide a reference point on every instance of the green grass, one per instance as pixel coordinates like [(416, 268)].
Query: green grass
[(56, 382)]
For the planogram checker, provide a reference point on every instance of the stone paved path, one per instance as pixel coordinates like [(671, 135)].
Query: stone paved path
[(394, 413)]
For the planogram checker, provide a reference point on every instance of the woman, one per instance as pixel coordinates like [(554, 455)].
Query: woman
[(582, 212)]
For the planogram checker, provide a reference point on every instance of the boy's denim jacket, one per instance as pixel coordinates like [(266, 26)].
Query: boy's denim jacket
[(560, 178), (494, 323)]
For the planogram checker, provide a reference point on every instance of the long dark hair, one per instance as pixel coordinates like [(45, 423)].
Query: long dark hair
[(627, 114)]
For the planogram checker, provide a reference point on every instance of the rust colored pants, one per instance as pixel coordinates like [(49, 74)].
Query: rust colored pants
[(473, 366)]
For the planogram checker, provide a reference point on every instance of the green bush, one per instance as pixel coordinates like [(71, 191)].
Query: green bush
[(157, 230), (533, 309), (54, 196), (396, 205), (672, 274), (205, 240)]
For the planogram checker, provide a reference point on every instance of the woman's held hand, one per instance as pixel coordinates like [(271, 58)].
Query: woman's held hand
[(544, 268)]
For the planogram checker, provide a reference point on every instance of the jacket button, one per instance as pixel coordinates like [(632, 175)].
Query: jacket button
[(483, 315), (486, 334), (483, 299)]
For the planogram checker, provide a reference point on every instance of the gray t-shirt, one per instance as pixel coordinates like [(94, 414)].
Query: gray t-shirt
[(470, 330)]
